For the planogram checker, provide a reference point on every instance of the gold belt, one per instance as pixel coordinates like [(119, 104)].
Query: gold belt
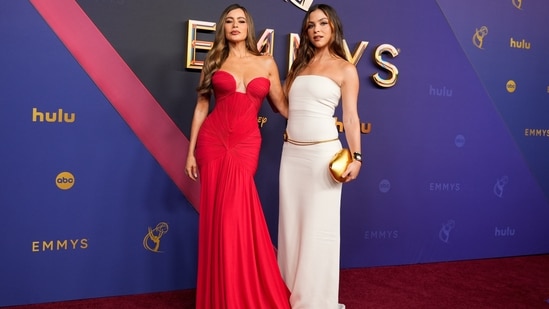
[(300, 143)]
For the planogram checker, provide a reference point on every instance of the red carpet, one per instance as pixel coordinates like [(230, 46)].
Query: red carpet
[(515, 282)]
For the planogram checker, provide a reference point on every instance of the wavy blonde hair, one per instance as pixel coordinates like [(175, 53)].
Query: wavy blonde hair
[(306, 49), (220, 49)]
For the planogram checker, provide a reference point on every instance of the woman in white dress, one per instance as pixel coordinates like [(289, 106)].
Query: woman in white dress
[(309, 221)]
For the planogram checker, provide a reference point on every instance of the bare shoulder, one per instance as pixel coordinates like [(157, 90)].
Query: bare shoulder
[(267, 64), (266, 60), (344, 71), (347, 69)]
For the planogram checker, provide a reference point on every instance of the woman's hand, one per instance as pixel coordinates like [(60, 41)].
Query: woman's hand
[(352, 171), (190, 168)]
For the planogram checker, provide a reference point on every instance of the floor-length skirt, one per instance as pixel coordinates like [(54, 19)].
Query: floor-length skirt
[(309, 225), (237, 267)]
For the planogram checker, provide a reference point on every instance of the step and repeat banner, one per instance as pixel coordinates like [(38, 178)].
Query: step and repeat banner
[(97, 98)]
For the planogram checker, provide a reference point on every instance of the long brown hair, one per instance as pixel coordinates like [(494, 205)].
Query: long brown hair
[(306, 49), (220, 49)]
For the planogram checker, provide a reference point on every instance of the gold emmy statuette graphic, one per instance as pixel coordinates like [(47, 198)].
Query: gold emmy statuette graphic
[(478, 37), (151, 241)]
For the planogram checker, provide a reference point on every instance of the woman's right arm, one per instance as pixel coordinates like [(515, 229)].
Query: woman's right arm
[(200, 112)]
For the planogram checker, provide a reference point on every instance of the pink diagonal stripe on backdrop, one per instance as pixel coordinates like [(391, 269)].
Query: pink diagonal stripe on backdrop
[(156, 130)]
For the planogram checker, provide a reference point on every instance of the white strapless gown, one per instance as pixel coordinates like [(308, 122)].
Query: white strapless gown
[(309, 220)]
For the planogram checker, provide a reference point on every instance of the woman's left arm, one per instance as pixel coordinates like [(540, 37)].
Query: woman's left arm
[(351, 121), (277, 99)]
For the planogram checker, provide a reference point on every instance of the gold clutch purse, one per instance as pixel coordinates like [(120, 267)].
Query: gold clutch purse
[(339, 164)]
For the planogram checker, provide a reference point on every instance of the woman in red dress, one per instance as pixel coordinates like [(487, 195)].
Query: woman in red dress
[(237, 265)]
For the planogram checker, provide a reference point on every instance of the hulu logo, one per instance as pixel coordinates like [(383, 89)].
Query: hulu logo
[(440, 92), (58, 116), (523, 44), (504, 232)]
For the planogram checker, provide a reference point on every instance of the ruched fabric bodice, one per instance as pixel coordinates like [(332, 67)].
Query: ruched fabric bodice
[(237, 265), (232, 124)]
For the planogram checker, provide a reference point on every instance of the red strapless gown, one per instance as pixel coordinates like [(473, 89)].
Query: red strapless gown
[(237, 267)]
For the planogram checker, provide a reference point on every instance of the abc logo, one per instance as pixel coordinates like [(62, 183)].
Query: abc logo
[(459, 140), (64, 180), (511, 86), (384, 186)]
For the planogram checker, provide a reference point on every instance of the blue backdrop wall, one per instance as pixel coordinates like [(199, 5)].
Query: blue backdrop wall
[(95, 107)]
